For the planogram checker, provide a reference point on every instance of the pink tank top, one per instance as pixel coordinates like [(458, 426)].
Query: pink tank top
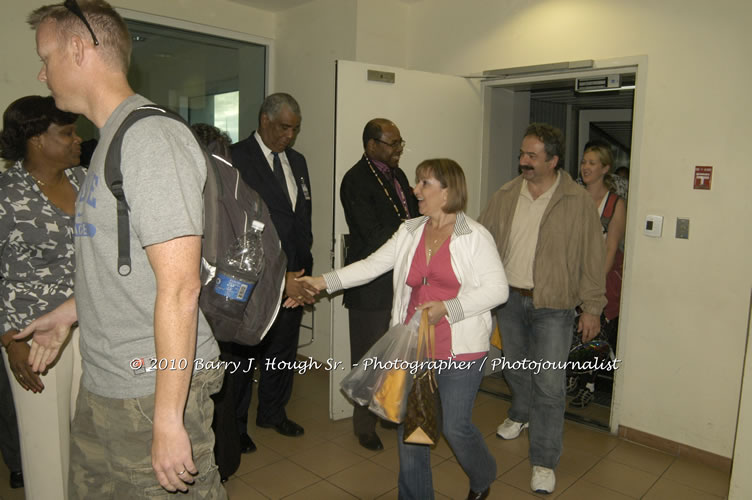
[(435, 281)]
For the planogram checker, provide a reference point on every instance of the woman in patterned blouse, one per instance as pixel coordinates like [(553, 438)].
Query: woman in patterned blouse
[(37, 207)]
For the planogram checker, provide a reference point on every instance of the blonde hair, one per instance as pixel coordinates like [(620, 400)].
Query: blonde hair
[(110, 29), (450, 176), (606, 157)]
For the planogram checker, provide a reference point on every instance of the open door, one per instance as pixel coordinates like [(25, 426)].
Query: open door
[(438, 116)]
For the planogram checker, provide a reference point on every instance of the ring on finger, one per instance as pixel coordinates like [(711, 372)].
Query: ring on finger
[(181, 473)]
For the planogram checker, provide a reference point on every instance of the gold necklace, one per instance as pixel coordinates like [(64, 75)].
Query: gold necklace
[(42, 183), (385, 190), (432, 247), (38, 181)]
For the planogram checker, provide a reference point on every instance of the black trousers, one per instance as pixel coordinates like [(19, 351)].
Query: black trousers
[(9, 443), (366, 328), (275, 385)]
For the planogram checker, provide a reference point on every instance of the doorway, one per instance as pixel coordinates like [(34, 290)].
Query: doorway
[(477, 121), (606, 116)]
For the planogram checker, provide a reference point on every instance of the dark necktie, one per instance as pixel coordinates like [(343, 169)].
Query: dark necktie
[(280, 175), (398, 189)]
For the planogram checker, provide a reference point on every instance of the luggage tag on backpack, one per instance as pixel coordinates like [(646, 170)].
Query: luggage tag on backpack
[(304, 187)]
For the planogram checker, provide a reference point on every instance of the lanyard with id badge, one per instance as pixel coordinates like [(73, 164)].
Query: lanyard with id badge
[(304, 187)]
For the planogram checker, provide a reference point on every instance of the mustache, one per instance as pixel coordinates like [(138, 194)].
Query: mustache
[(525, 167)]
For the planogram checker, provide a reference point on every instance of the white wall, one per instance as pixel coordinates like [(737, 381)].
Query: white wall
[(219, 13), (381, 35), (684, 302), (310, 39), (741, 480), (19, 63)]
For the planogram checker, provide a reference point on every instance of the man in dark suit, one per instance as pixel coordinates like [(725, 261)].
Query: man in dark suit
[(376, 197), (279, 174)]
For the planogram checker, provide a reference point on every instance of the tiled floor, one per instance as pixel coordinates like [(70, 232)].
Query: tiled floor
[(327, 462)]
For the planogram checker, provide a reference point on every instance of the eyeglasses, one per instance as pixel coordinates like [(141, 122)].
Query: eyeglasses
[(73, 7), (396, 144)]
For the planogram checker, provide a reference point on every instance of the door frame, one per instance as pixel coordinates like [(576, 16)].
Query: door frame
[(631, 64)]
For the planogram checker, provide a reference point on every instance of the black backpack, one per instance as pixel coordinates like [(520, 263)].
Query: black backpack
[(230, 206)]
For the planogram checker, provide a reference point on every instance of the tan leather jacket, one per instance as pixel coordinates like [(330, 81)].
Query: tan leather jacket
[(570, 255)]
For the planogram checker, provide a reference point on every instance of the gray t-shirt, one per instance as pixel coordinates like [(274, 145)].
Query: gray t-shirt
[(163, 178)]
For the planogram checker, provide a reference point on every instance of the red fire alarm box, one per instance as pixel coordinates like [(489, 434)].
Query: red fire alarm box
[(703, 176)]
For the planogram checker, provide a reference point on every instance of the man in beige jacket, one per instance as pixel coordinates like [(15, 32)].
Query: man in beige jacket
[(549, 238)]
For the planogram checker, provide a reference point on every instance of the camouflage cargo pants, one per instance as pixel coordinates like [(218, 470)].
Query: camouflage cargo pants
[(111, 445)]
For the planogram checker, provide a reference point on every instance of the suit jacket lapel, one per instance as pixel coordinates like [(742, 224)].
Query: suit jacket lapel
[(297, 175), (406, 190), (393, 198), (393, 191), (265, 174)]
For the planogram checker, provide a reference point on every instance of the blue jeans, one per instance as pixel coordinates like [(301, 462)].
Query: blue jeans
[(457, 391), (538, 398)]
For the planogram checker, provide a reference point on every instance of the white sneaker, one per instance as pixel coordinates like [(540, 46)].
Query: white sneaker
[(510, 429), (543, 480)]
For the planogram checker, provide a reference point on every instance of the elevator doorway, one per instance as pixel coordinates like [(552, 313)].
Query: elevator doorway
[(604, 116)]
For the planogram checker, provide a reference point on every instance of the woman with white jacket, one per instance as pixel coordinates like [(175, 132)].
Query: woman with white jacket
[(446, 263)]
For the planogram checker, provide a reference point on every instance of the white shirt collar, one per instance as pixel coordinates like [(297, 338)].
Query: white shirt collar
[(265, 149)]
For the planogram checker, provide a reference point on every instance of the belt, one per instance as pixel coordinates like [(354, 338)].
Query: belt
[(525, 292)]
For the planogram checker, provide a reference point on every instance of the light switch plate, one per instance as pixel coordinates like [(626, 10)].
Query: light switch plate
[(682, 228), (653, 226)]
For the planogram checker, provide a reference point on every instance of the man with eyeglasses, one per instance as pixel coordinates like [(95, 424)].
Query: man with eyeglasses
[(376, 197), (143, 414), (549, 239)]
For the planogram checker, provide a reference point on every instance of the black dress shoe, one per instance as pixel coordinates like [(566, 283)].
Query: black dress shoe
[(370, 441), (16, 480), (246, 444), (286, 427), (478, 496)]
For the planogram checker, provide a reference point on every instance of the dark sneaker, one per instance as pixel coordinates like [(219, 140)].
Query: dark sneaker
[(583, 398), (16, 480), (572, 383)]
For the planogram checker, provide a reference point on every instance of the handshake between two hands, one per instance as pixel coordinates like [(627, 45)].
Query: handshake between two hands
[(302, 290)]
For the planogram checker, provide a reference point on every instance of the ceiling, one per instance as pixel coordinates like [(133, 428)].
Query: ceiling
[(562, 92), (272, 5), (280, 5), (621, 99)]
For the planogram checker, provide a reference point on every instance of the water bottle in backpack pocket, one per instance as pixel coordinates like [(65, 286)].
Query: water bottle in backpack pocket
[(239, 271)]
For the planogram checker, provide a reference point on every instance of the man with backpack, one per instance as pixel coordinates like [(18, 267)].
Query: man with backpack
[(143, 415)]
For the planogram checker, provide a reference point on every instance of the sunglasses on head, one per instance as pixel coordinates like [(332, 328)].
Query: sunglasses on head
[(73, 7)]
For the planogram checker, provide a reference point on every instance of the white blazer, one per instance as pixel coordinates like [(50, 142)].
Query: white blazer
[(475, 262)]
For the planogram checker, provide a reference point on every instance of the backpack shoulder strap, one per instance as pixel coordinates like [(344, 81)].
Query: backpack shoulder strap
[(608, 210), (113, 177)]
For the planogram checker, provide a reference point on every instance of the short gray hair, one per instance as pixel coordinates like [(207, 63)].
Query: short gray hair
[(273, 105)]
